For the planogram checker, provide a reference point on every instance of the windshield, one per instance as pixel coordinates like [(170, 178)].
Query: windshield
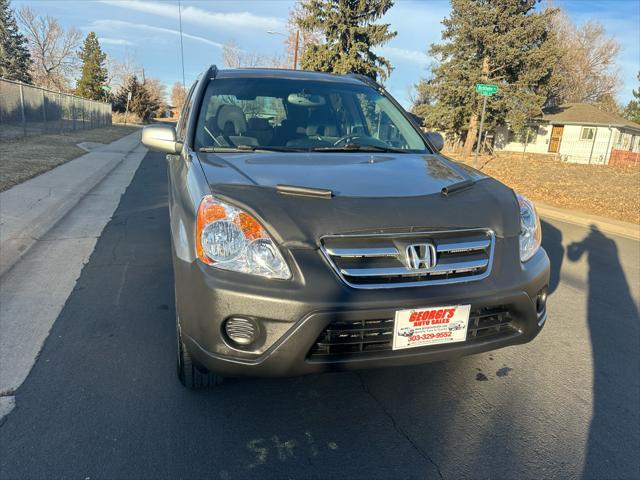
[(301, 115)]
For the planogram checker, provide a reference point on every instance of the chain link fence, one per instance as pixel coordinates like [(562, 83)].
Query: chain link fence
[(26, 110)]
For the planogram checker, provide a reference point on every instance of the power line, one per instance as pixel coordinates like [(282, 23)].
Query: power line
[(184, 85)]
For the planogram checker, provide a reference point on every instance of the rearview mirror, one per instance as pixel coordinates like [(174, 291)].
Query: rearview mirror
[(161, 138), (436, 140)]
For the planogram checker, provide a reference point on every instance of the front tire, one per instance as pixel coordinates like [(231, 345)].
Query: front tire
[(192, 376)]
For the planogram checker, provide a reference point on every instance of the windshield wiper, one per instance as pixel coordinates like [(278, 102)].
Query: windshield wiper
[(356, 147), (249, 148)]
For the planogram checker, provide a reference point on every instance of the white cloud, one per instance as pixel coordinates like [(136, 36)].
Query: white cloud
[(414, 56), (111, 25), (200, 16), (115, 41)]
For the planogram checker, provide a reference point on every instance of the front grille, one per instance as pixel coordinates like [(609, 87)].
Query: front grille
[(381, 260), (345, 337)]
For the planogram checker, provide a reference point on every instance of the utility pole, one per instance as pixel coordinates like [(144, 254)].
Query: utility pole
[(126, 110), (484, 109), (295, 51)]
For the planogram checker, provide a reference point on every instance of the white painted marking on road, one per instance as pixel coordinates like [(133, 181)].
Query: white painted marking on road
[(7, 404)]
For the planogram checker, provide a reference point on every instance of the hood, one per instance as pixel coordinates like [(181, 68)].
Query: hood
[(345, 174), (371, 193)]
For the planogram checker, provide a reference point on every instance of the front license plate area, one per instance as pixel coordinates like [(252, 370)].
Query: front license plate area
[(419, 327)]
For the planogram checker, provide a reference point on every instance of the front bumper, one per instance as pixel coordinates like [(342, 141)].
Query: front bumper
[(292, 314)]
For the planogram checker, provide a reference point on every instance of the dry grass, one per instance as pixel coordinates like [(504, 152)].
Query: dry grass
[(612, 192), (24, 158), (132, 118)]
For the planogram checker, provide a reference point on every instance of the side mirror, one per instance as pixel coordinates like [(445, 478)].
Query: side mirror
[(436, 140), (161, 138)]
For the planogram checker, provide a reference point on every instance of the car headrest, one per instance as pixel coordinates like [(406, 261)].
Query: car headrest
[(256, 123), (212, 125), (320, 124), (231, 120)]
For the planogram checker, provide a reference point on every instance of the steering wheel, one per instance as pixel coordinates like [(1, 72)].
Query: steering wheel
[(345, 139)]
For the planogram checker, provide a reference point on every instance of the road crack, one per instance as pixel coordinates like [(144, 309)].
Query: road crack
[(397, 427)]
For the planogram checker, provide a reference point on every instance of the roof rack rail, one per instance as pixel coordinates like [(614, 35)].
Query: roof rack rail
[(365, 79), (212, 72)]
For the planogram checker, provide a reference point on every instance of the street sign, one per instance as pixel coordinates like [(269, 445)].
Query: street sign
[(128, 96), (486, 89), (106, 88)]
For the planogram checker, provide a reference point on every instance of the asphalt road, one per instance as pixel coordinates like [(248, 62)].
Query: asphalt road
[(103, 400)]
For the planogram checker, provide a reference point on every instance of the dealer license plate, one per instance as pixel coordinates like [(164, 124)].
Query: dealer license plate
[(419, 327)]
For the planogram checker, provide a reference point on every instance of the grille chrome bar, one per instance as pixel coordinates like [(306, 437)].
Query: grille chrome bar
[(378, 260), (439, 269), (363, 252), (463, 246)]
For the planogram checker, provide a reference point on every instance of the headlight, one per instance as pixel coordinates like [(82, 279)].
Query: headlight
[(231, 239), (530, 230)]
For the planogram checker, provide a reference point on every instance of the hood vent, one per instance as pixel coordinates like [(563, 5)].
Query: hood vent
[(304, 191)]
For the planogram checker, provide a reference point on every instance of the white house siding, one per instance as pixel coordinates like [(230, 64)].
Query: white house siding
[(576, 149), (504, 140), (573, 148)]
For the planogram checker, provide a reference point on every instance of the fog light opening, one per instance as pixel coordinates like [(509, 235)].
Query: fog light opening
[(541, 302), (241, 331)]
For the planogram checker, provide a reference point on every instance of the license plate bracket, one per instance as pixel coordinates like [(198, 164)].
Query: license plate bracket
[(420, 327)]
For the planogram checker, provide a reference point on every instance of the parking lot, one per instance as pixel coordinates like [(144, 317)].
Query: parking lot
[(103, 400)]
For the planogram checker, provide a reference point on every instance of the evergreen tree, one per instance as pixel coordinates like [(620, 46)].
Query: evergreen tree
[(632, 110), (15, 61), (504, 42), (94, 71), (348, 34), (142, 102)]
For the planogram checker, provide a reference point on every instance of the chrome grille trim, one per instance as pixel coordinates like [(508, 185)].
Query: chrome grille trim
[(448, 270), (440, 269), (363, 252), (463, 246)]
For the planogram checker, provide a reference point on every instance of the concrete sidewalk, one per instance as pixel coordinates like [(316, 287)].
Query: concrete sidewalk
[(31, 209), (35, 289)]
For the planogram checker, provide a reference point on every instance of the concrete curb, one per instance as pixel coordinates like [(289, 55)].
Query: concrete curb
[(607, 225), (29, 210)]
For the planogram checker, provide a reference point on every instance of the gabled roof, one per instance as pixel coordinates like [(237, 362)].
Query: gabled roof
[(585, 114)]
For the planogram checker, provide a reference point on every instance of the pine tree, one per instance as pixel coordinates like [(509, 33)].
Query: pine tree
[(94, 72), (632, 110), (15, 61), (142, 102), (348, 35), (504, 42)]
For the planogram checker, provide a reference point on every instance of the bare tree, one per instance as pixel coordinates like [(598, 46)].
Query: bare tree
[(178, 95), (157, 93), (587, 71), (121, 70), (306, 36), (53, 50), (234, 57)]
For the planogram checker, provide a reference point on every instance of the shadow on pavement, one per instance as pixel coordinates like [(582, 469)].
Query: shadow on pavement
[(552, 243), (614, 328)]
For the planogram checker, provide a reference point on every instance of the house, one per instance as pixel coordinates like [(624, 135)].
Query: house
[(577, 133)]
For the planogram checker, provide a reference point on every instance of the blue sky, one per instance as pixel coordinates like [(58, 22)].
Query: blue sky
[(147, 31)]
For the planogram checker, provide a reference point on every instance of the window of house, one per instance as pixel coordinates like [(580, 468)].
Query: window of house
[(587, 133)]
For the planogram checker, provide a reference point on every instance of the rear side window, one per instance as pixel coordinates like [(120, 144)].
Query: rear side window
[(300, 115)]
